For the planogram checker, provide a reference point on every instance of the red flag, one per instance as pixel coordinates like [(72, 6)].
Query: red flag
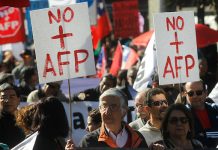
[(117, 60), (205, 35), (103, 27), (143, 39), (132, 59), (15, 3)]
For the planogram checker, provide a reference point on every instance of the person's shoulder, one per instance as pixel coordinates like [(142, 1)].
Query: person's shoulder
[(90, 139), (212, 105)]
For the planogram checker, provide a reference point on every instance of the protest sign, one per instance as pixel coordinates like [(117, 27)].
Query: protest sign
[(63, 43), (176, 47), (11, 25), (126, 18)]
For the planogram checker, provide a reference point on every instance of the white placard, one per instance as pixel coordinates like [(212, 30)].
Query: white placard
[(63, 43), (176, 47)]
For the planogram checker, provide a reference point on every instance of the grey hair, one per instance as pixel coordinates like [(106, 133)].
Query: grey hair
[(118, 93)]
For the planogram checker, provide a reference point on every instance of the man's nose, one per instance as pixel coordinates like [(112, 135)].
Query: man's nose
[(108, 110)]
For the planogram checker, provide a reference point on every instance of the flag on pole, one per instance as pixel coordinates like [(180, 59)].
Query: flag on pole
[(147, 68), (103, 26), (130, 57), (117, 60), (101, 63)]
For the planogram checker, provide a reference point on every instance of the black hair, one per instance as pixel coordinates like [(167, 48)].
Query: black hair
[(50, 118), (188, 114), (110, 77), (95, 116), (152, 92), (7, 86)]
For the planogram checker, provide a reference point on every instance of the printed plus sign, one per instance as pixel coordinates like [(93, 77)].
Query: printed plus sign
[(61, 36), (177, 43)]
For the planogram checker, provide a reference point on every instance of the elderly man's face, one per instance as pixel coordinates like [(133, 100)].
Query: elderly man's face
[(195, 94), (9, 101), (139, 106), (111, 112)]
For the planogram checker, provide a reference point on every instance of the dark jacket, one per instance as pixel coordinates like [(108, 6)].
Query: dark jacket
[(200, 132), (92, 94), (25, 90), (10, 133), (100, 138), (43, 142)]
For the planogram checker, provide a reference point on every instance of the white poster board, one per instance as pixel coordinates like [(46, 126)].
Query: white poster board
[(176, 47), (63, 43)]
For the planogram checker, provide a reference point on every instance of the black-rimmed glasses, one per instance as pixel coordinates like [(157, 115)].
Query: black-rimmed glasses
[(159, 103)]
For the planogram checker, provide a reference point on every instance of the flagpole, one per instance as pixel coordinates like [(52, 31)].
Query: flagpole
[(70, 105)]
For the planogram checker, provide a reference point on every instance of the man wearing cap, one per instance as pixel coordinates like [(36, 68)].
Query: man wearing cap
[(49, 89), (28, 60), (10, 133), (205, 114), (113, 133)]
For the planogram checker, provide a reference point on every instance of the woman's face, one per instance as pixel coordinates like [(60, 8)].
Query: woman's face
[(178, 124)]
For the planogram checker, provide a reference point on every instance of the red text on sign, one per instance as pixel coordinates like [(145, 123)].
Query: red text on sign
[(172, 70), (175, 23), (49, 68), (67, 15)]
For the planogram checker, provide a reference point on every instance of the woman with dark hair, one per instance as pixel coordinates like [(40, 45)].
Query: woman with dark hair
[(50, 121), (177, 129), (93, 120)]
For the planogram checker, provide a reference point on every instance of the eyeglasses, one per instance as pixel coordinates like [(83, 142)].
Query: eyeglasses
[(112, 107), (159, 103), (175, 120), (198, 93)]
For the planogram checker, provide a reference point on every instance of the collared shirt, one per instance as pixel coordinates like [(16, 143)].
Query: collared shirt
[(121, 138)]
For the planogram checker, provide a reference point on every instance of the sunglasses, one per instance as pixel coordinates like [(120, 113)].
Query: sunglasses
[(175, 120), (198, 93), (159, 103)]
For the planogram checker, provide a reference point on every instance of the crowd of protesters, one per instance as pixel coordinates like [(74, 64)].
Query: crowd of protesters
[(191, 123)]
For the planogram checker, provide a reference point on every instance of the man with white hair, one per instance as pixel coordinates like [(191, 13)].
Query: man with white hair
[(114, 132), (142, 114)]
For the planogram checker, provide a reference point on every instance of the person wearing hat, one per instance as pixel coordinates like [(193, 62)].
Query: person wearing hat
[(28, 60), (49, 89), (114, 132)]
